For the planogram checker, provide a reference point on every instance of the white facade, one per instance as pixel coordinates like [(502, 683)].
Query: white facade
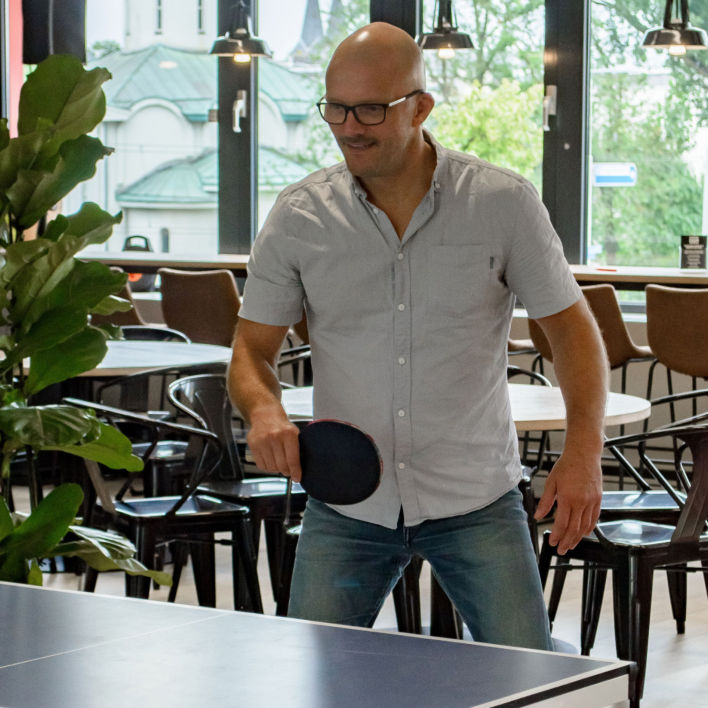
[(186, 24)]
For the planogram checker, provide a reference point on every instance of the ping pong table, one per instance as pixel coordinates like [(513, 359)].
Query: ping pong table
[(64, 648)]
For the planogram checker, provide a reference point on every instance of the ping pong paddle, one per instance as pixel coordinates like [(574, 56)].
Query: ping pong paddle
[(340, 462)]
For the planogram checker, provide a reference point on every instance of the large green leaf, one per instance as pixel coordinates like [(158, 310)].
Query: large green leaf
[(36, 191), (63, 92), (107, 550), (53, 328), (19, 256), (22, 153), (42, 427), (46, 525), (80, 353), (13, 568), (111, 304), (6, 524), (86, 286), (34, 284), (111, 449)]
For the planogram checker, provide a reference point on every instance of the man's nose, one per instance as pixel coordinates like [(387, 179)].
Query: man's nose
[(351, 125)]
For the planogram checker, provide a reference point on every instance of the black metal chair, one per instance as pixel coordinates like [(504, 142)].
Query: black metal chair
[(648, 501), (148, 333), (189, 517), (206, 400), (633, 549)]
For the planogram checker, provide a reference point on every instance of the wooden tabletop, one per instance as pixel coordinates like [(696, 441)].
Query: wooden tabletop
[(637, 277), (533, 407), (147, 262)]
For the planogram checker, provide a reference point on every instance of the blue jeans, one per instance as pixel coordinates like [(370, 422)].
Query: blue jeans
[(345, 568)]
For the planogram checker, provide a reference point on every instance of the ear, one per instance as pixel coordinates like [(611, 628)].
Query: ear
[(424, 104)]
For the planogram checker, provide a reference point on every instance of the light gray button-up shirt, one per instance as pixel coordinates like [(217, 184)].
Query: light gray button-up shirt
[(409, 335)]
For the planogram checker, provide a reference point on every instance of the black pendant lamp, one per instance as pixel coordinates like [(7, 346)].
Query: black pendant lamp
[(676, 35), (445, 38), (238, 42)]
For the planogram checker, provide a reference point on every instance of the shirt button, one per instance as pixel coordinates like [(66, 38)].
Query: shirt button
[(401, 465), (401, 413), (401, 307), (399, 256), (401, 360)]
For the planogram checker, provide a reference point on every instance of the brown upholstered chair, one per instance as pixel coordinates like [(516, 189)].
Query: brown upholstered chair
[(131, 317), (202, 304), (677, 331), (621, 350)]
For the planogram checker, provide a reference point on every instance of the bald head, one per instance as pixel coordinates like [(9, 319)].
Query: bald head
[(380, 49)]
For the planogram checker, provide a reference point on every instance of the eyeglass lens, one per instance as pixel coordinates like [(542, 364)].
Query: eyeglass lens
[(366, 113)]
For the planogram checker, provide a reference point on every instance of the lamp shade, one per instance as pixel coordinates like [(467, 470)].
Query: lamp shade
[(676, 35), (444, 38), (238, 41)]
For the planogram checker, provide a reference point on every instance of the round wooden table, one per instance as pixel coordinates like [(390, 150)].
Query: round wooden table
[(532, 407)]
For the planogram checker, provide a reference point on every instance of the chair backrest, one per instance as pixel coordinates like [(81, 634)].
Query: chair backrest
[(677, 328), (202, 304), (147, 333), (205, 398), (694, 510), (130, 317), (147, 390), (604, 305), (202, 456)]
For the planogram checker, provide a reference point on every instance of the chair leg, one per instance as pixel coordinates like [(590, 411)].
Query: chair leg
[(444, 619), (179, 558), (204, 568), (632, 591), (138, 585), (676, 578), (287, 562), (594, 580), (406, 598), (559, 573), (90, 578), (243, 557)]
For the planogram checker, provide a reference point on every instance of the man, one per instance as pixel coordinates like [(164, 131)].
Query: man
[(407, 258)]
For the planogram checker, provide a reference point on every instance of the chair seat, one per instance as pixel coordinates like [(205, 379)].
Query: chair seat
[(636, 533), (636, 504), (165, 450), (194, 506)]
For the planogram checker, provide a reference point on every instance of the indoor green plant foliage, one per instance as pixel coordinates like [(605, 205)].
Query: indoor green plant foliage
[(46, 297)]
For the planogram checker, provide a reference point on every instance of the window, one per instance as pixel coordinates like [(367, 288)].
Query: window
[(200, 16), (163, 173), (488, 99), (158, 16), (293, 139), (648, 137)]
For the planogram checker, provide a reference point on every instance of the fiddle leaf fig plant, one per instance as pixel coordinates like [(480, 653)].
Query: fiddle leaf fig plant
[(46, 298)]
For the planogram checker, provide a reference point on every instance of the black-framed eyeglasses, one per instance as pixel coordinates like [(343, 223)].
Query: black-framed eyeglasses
[(365, 113)]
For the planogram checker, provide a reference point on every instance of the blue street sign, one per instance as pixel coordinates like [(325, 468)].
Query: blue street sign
[(614, 174)]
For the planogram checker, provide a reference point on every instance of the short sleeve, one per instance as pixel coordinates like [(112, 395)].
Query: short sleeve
[(536, 269), (273, 292)]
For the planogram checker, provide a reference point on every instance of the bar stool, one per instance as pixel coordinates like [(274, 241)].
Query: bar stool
[(677, 331), (621, 350)]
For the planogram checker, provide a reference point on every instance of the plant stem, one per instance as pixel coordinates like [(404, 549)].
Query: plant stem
[(32, 480)]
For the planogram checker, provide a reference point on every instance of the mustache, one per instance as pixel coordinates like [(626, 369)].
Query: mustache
[(356, 141)]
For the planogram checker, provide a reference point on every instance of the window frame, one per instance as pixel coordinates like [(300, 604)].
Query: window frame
[(565, 148)]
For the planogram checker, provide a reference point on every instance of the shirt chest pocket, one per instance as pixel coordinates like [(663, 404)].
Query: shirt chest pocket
[(459, 279)]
